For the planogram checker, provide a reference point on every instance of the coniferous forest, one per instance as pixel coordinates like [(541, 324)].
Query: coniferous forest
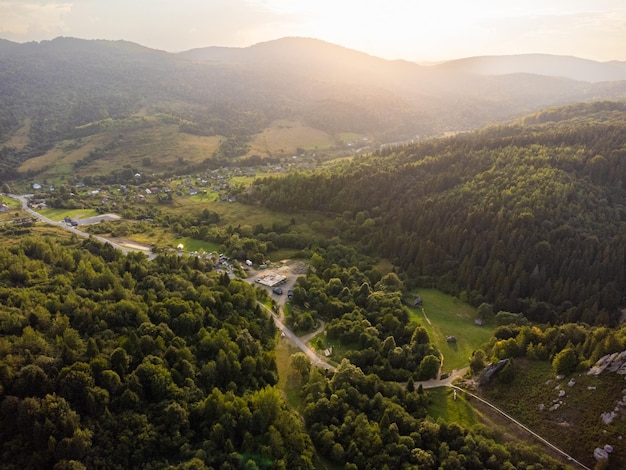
[(528, 216)]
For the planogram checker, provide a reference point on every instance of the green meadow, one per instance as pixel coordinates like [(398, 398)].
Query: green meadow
[(451, 317), (59, 214), (190, 244), (441, 404)]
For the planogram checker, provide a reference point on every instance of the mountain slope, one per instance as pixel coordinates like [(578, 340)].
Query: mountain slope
[(70, 89), (529, 216)]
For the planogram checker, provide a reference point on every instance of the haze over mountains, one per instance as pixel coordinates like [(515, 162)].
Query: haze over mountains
[(65, 86), (298, 50)]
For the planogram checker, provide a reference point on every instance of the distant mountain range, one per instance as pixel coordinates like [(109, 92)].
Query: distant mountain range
[(573, 68), (62, 87), (316, 52)]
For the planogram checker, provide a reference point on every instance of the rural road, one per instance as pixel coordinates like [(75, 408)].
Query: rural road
[(291, 336), (24, 201)]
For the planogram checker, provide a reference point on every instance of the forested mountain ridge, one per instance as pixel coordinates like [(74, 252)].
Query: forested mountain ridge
[(69, 89), (530, 216)]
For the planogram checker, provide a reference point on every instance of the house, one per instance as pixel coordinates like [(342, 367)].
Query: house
[(4, 208), (451, 339), (417, 302), (479, 321)]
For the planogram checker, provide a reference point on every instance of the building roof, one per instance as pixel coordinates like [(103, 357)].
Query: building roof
[(272, 279)]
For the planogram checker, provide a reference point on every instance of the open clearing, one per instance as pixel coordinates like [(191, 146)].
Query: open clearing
[(450, 317), (286, 136)]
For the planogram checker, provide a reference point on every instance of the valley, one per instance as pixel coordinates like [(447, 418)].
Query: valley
[(432, 222)]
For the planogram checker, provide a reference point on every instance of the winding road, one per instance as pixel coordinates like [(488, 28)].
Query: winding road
[(124, 249)]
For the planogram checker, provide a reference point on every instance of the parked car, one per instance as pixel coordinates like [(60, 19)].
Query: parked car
[(277, 290)]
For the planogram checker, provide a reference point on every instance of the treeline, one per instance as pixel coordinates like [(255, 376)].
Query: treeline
[(112, 361), (529, 218)]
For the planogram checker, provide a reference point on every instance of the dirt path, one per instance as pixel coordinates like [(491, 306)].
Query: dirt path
[(308, 337)]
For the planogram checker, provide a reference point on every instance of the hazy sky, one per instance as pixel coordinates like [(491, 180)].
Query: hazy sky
[(408, 29)]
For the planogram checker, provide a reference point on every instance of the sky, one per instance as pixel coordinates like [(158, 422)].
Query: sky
[(418, 30)]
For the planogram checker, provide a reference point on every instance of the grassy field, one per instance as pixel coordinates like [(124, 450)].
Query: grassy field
[(347, 137), (443, 405), (285, 253), (59, 214), (288, 380), (189, 244), (450, 317), (146, 142), (19, 140), (284, 137), (576, 425)]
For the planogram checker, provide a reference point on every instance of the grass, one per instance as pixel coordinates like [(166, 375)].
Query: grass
[(190, 244), (59, 214), (347, 137), (288, 380), (133, 140), (450, 317), (284, 253), (284, 137), (384, 266), (443, 405), (20, 139), (575, 426)]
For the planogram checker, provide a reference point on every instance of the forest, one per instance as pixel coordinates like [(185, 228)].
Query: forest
[(121, 361), (113, 361), (528, 216)]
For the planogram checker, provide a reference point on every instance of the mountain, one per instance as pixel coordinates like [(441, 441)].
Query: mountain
[(55, 91), (527, 216), (573, 68)]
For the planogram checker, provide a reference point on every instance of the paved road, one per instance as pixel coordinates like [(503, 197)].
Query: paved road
[(80, 233), (291, 336)]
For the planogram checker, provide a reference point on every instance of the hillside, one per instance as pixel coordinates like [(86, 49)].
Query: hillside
[(528, 216), (70, 93)]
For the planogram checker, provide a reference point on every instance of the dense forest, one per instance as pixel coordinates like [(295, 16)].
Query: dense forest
[(116, 362), (113, 361), (528, 216)]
